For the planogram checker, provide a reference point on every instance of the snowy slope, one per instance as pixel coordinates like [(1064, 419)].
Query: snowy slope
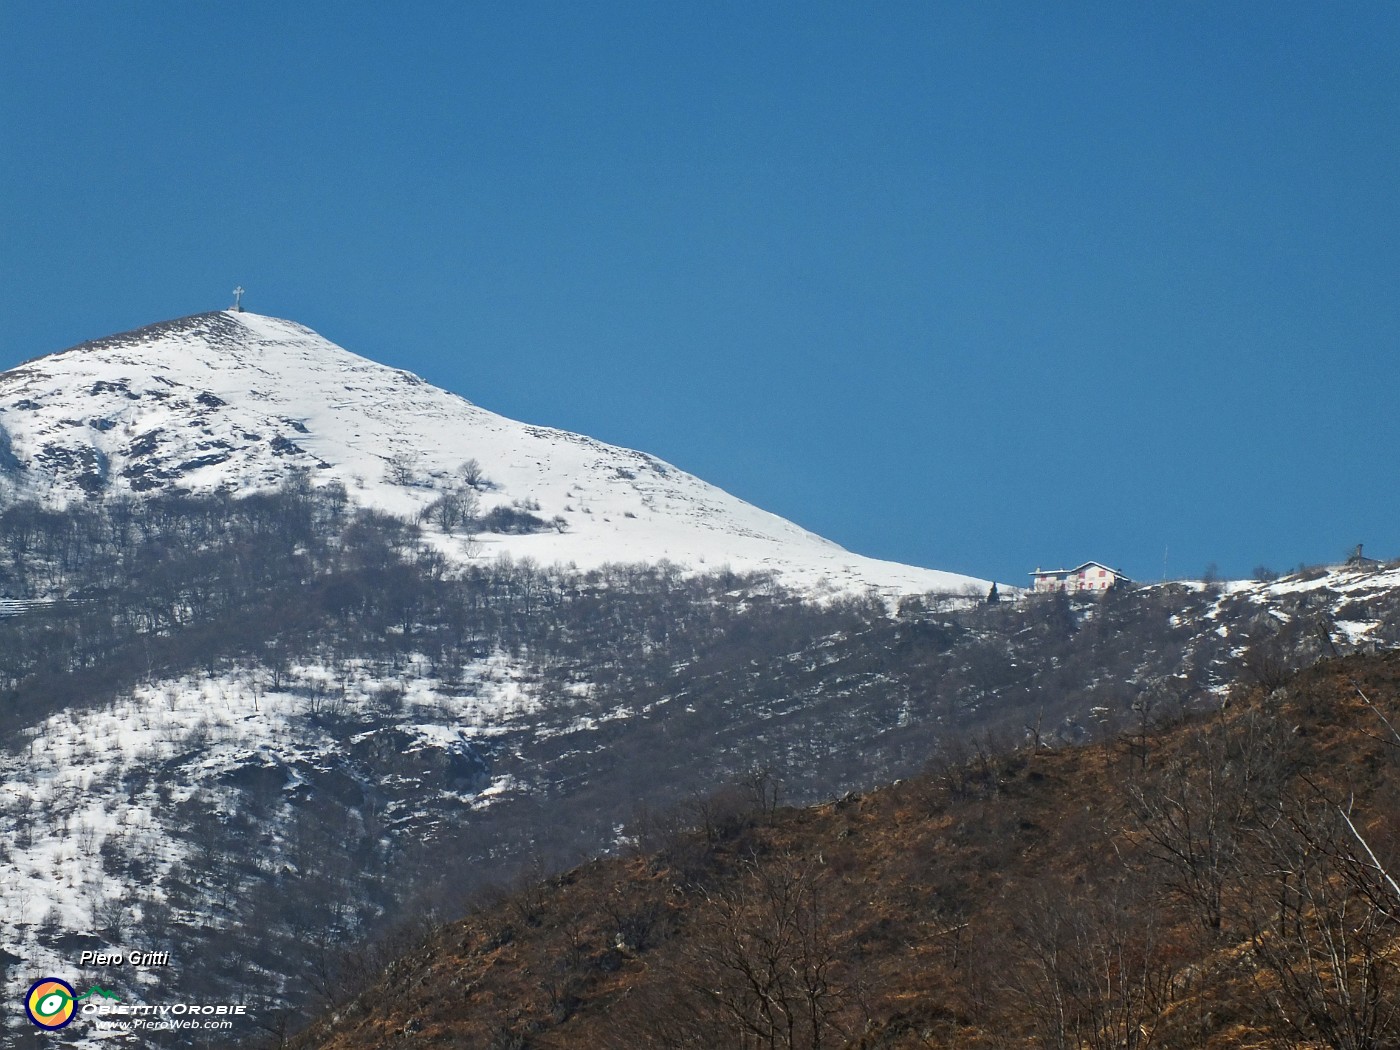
[(83, 853), (236, 400)]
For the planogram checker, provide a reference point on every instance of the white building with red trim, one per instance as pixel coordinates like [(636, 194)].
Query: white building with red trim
[(1091, 576)]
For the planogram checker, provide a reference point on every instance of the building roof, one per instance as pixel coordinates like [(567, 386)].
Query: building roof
[(1078, 568)]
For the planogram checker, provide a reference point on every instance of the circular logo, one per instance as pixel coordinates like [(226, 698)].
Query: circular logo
[(49, 1003)]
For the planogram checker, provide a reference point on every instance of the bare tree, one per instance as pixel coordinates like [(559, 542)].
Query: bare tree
[(402, 469), (763, 790), (472, 475), (760, 971), (1192, 814), (1094, 973), (455, 508), (1323, 928)]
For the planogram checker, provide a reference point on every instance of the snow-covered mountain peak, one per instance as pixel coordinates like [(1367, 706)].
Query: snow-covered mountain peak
[(238, 401)]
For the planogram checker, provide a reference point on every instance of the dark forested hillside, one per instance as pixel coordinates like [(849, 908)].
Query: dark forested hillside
[(1222, 879)]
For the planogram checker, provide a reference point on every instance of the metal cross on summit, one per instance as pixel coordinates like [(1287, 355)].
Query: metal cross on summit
[(238, 298)]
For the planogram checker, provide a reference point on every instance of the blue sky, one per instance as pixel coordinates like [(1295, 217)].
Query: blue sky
[(978, 286)]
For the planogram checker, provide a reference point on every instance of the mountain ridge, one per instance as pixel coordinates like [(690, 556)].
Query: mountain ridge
[(238, 401)]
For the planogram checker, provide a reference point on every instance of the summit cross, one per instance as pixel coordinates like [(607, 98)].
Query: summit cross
[(238, 298)]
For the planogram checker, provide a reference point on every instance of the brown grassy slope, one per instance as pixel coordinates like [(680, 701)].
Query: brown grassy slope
[(1020, 899)]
